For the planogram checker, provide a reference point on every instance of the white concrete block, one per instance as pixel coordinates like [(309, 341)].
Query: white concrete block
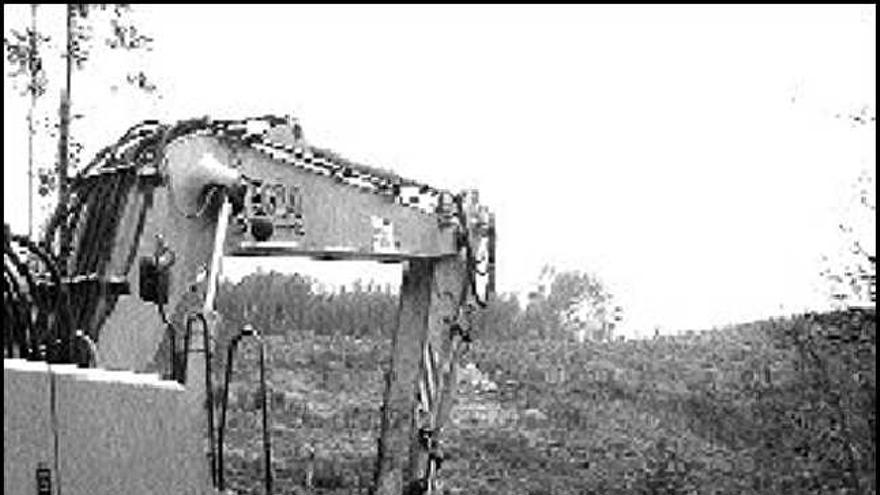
[(27, 428), (125, 433), (118, 432)]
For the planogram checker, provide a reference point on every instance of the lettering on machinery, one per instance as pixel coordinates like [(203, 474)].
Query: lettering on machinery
[(44, 479), (271, 205)]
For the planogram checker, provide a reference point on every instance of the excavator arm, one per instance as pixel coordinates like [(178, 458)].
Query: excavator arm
[(139, 253)]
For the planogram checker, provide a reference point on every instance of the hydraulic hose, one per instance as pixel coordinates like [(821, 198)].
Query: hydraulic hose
[(267, 449)]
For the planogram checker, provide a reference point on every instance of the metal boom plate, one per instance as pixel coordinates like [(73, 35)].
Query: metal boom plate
[(335, 221)]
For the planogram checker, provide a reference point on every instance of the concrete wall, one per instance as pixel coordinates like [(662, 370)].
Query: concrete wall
[(117, 432), (27, 430)]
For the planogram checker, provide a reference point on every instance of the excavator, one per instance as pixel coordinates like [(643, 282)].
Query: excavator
[(110, 317)]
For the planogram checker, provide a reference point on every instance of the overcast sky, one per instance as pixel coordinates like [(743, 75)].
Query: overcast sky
[(687, 155)]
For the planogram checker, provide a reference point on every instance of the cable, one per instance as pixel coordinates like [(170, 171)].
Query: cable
[(57, 313), (19, 327), (171, 332), (470, 256), (209, 385), (201, 211), (267, 449), (33, 298), (58, 319)]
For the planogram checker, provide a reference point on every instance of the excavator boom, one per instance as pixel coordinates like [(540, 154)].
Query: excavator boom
[(127, 281)]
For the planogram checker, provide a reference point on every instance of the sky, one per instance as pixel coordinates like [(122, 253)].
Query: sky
[(687, 155)]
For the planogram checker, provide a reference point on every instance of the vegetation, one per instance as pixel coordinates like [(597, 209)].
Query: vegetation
[(777, 406), (96, 35)]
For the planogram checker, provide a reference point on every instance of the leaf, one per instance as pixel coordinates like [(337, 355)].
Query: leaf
[(127, 37), (23, 52), (139, 80), (80, 10)]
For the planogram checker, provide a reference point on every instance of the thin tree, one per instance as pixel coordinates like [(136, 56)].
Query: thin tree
[(852, 272), (24, 52)]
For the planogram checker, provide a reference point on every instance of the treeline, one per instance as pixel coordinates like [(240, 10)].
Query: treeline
[(276, 304), (795, 397)]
